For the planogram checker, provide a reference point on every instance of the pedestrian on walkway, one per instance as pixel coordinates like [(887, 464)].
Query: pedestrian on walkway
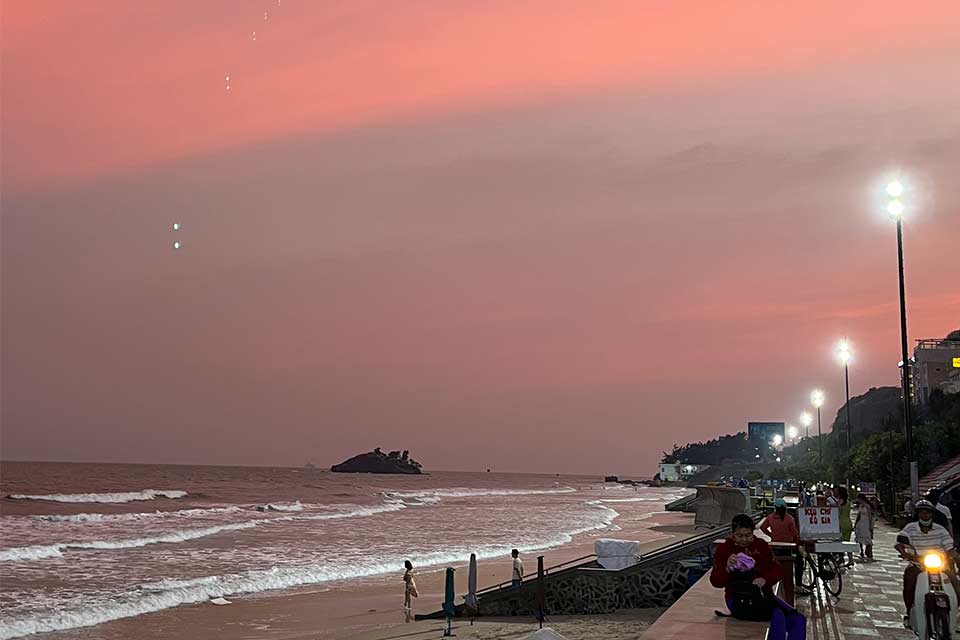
[(863, 529), (780, 526), (846, 521)]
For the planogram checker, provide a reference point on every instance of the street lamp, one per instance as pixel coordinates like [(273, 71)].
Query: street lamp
[(816, 399), (845, 355), (895, 208), (792, 432), (806, 420)]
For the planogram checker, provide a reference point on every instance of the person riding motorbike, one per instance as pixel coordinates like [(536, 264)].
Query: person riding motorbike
[(924, 535)]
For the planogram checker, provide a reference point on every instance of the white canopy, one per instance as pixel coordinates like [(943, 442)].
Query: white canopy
[(616, 554)]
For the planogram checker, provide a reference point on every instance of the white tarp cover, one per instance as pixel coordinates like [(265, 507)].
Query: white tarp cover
[(614, 555), (545, 634)]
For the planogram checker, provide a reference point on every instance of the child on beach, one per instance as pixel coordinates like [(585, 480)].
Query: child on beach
[(409, 591)]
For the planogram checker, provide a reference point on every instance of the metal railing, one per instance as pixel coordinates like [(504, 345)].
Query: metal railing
[(576, 561)]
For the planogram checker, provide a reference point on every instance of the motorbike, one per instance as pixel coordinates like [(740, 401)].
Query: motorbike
[(934, 612)]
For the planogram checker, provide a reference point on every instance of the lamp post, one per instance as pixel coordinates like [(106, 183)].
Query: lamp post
[(844, 354), (895, 209), (816, 399)]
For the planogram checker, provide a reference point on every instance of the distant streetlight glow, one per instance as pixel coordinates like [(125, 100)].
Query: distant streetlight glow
[(844, 354), (895, 209), (895, 189), (777, 440), (806, 419), (816, 398), (792, 432)]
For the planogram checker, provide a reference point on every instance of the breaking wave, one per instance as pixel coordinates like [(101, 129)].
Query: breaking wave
[(117, 517), (112, 498), (166, 594), (281, 506), (40, 552), (472, 493)]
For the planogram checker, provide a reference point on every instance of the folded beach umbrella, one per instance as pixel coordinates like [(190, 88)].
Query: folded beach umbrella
[(471, 600), (449, 606)]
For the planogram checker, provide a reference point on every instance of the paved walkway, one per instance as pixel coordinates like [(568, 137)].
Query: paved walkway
[(870, 604)]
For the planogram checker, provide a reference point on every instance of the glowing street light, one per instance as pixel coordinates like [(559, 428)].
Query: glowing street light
[(777, 440), (816, 399), (792, 432), (895, 209), (806, 420), (845, 355)]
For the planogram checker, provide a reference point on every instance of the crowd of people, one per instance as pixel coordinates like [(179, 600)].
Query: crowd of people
[(745, 567)]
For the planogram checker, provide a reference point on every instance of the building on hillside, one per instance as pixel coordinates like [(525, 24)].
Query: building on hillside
[(770, 432), (952, 383), (934, 363), (677, 471)]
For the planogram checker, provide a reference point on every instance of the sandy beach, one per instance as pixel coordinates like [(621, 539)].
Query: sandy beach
[(371, 609), (621, 625)]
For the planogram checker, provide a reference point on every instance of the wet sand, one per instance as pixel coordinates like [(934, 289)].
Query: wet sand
[(369, 609)]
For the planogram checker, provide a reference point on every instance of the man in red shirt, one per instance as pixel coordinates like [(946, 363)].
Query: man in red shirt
[(766, 571), (786, 622)]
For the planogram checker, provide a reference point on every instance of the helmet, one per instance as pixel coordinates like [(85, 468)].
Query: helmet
[(923, 504)]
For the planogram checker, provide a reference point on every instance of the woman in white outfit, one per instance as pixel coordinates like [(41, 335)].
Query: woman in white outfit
[(863, 529)]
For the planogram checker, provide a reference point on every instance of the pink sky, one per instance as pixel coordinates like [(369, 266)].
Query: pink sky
[(545, 236)]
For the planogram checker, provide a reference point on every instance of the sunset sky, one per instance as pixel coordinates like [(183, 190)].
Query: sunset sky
[(530, 235)]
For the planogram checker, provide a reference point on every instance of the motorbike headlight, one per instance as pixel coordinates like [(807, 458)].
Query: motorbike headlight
[(933, 561)]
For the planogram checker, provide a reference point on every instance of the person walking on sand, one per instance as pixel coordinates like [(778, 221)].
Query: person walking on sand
[(863, 529), (409, 591), (517, 575)]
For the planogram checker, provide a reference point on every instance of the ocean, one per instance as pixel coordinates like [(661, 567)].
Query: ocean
[(83, 544)]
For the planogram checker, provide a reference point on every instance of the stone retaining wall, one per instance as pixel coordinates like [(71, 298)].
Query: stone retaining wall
[(590, 591)]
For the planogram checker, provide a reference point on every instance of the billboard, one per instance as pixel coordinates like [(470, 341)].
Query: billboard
[(765, 430)]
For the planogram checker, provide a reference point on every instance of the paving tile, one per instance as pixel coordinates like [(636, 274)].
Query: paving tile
[(889, 624)]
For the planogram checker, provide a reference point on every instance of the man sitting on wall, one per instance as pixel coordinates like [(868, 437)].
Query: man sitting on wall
[(745, 568)]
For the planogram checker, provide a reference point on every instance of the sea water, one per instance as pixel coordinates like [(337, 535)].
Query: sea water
[(82, 544)]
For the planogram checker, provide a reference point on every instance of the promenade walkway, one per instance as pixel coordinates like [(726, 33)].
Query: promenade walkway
[(870, 605)]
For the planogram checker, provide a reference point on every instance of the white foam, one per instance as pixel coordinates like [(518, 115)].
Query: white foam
[(281, 506), (115, 517), (472, 493), (166, 594), (127, 496), (39, 552)]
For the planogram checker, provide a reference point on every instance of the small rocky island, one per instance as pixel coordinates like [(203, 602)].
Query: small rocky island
[(377, 461)]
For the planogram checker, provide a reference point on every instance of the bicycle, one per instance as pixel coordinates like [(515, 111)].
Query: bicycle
[(824, 568)]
